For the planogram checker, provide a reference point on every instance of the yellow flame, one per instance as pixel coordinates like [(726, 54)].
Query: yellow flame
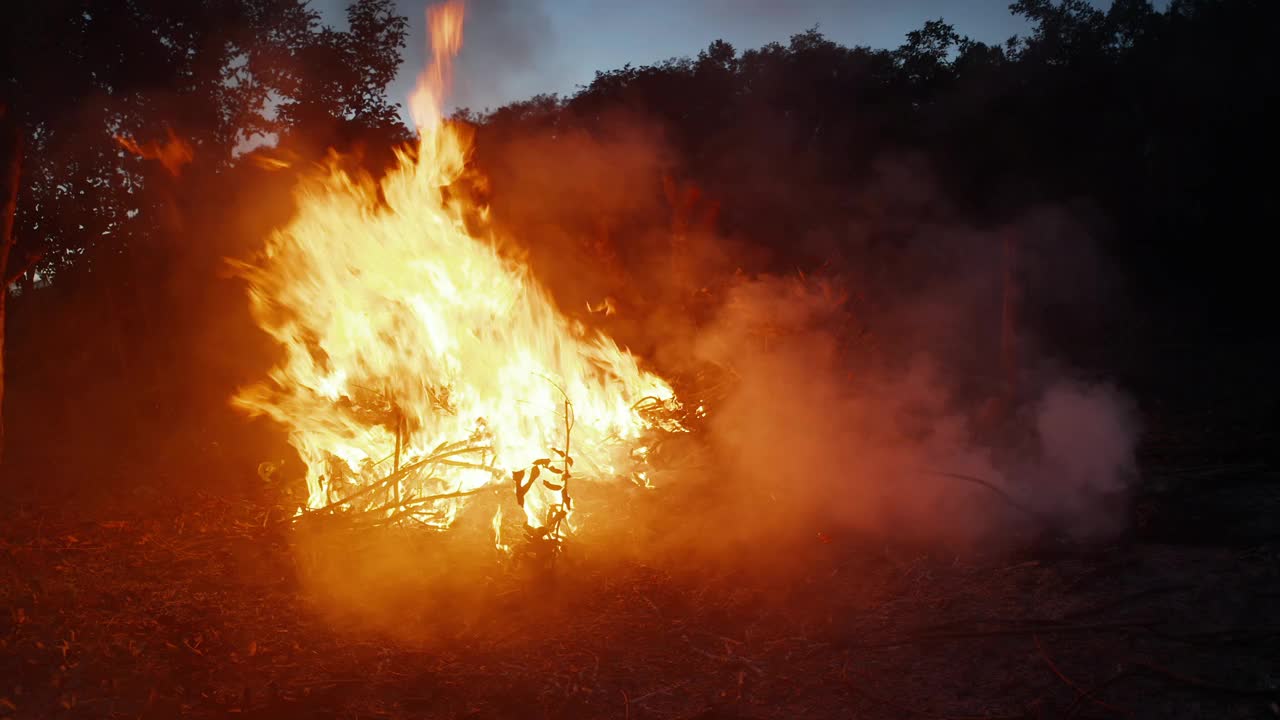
[(497, 531), (444, 25), (409, 343)]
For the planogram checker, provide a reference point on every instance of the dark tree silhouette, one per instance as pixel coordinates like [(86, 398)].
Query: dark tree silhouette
[(10, 164), (214, 74), (1156, 118)]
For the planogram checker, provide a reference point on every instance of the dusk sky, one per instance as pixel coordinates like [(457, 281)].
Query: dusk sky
[(513, 49)]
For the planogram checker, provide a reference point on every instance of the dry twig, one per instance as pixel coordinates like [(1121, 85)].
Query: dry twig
[(1004, 495), (1080, 694)]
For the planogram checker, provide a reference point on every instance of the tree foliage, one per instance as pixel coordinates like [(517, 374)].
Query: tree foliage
[(115, 236), (1156, 118), (218, 73), (1162, 120)]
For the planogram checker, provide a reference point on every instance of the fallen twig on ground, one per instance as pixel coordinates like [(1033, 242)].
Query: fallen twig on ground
[(659, 691), (1070, 683), (727, 659), (1003, 494)]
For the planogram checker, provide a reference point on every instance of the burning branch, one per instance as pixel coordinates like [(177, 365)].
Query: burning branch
[(440, 457), (381, 283), (173, 154), (546, 538)]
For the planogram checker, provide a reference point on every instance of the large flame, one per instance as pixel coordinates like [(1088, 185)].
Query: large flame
[(420, 364)]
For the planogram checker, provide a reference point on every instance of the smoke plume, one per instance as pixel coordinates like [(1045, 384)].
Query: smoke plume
[(890, 391)]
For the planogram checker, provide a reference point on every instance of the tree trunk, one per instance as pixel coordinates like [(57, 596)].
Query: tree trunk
[(11, 155)]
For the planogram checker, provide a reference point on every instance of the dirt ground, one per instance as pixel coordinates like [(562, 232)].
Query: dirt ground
[(162, 601), (209, 607)]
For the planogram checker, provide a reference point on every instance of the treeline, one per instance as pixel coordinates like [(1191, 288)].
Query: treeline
[(1156, 126), (1152, 128)]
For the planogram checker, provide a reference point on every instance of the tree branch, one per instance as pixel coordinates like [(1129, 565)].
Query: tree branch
[(32, 259)]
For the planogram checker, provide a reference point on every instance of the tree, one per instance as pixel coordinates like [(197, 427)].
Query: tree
[(1151, 120), (75, 75), (11, 164)]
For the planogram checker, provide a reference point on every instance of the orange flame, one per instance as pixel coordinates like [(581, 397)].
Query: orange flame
[(444, 23), (270, 162), (173, 154), (422, 366)]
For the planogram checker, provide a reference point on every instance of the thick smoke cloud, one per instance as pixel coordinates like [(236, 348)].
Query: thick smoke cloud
[(865, 395), (813, 441)]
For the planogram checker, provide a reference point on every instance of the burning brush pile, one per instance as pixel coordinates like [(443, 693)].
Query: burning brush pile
[(424, 368), (420, 366)]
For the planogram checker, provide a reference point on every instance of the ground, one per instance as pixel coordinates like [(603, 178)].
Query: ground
[(163, 601), (208, 608)]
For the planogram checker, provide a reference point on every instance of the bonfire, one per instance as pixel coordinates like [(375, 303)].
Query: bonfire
[(421, 366)]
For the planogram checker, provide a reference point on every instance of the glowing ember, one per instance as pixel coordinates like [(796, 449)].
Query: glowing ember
[(421, 366)]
